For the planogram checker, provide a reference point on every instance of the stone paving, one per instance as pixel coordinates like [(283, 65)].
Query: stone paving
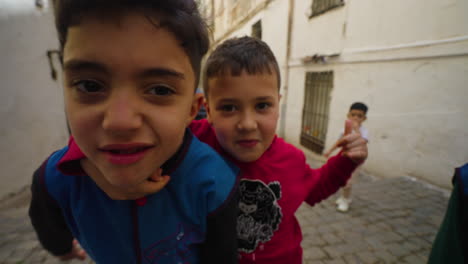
[(390, 221)]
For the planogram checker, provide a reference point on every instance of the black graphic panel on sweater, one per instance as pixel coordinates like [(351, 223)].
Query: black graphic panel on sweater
[(259, 213)]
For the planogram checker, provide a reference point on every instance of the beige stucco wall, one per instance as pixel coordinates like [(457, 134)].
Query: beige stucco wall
[(409, 62), (274, 17), (418, 119), (387, 23), (230, 13), (31, 104), (275, 36)]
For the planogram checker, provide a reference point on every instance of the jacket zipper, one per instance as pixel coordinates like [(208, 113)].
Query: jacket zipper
[(136, 233)]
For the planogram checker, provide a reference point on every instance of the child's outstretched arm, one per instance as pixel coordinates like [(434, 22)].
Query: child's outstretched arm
[(334, 174), (47, 219), (330, 151)]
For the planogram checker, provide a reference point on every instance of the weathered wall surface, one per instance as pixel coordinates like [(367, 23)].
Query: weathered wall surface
[(31, 104)]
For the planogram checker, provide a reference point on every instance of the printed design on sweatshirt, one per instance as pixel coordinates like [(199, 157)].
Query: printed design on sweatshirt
[(175, 248), (259, 213)]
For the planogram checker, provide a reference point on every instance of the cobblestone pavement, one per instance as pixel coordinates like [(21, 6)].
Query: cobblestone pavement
[(390, 221)]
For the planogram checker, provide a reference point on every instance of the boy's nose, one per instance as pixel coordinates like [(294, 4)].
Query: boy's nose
[(121, 115), (247, 122)]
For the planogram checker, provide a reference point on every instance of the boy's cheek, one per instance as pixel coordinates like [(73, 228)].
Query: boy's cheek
[(81, 122), (224, 134)]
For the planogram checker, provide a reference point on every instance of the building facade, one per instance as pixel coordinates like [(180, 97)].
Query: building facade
[(407, 60), (31, 101)]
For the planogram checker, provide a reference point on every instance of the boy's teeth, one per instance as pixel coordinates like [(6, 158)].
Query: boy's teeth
[(126, 151)]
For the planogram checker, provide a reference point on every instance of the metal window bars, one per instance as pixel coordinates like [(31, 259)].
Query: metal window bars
[(315, 114), (322, 6)]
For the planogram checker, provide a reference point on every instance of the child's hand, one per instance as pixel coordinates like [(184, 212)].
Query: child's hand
[(76, 253), (152, 185), (353, 145)]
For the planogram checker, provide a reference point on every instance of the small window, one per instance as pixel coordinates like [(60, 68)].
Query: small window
[(315, 113), (39, 4), (322, 6), (257, 30)]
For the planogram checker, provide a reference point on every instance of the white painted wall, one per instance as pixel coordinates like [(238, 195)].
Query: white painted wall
[(322, 34), (230, 13), (386, 23), (418, 118), (409, 61), (274, 23), (31, 104), (274, 29)]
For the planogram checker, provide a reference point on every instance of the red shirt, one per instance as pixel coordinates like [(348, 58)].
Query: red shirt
[(272, 188)]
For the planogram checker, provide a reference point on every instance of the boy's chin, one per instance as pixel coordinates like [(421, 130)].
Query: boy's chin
[(248, 158), (123, 183)]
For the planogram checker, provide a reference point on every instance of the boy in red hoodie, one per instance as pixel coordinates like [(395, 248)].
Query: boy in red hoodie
[(241, 83)]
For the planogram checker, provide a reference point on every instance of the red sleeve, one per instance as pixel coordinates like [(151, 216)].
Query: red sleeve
[(329, 178), (200, 128)]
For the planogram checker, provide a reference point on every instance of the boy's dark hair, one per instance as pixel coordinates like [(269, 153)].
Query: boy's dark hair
[(359, 106), (181, 17), (238, 54)]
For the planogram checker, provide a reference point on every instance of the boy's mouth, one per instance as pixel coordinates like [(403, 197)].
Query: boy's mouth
[(127, 151), (248, 143), (124, 154)]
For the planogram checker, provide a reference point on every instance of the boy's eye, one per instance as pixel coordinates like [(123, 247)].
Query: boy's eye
[(88, 86), (161, 90), (262, 106), (228, 108)]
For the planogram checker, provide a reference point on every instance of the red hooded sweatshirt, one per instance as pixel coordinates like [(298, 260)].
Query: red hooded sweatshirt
[(272, 188)]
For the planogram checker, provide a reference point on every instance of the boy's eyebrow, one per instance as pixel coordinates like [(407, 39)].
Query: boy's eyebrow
[(228, 100), (233, 100), (263, 98), (161, 72), (80, 65)]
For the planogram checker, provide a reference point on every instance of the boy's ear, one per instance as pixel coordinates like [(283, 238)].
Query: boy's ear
[(196, 103), (208, 111)]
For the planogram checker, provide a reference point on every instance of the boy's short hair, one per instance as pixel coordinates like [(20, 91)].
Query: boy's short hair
[(181, 17), (359, 106), (238, 54)]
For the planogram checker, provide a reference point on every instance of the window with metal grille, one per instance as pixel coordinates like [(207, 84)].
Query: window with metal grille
[(318, 86), (322, 6), (39, 4), (257, 30)]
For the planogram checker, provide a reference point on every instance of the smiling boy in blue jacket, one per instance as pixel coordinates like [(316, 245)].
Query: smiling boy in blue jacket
[(130, 72)]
